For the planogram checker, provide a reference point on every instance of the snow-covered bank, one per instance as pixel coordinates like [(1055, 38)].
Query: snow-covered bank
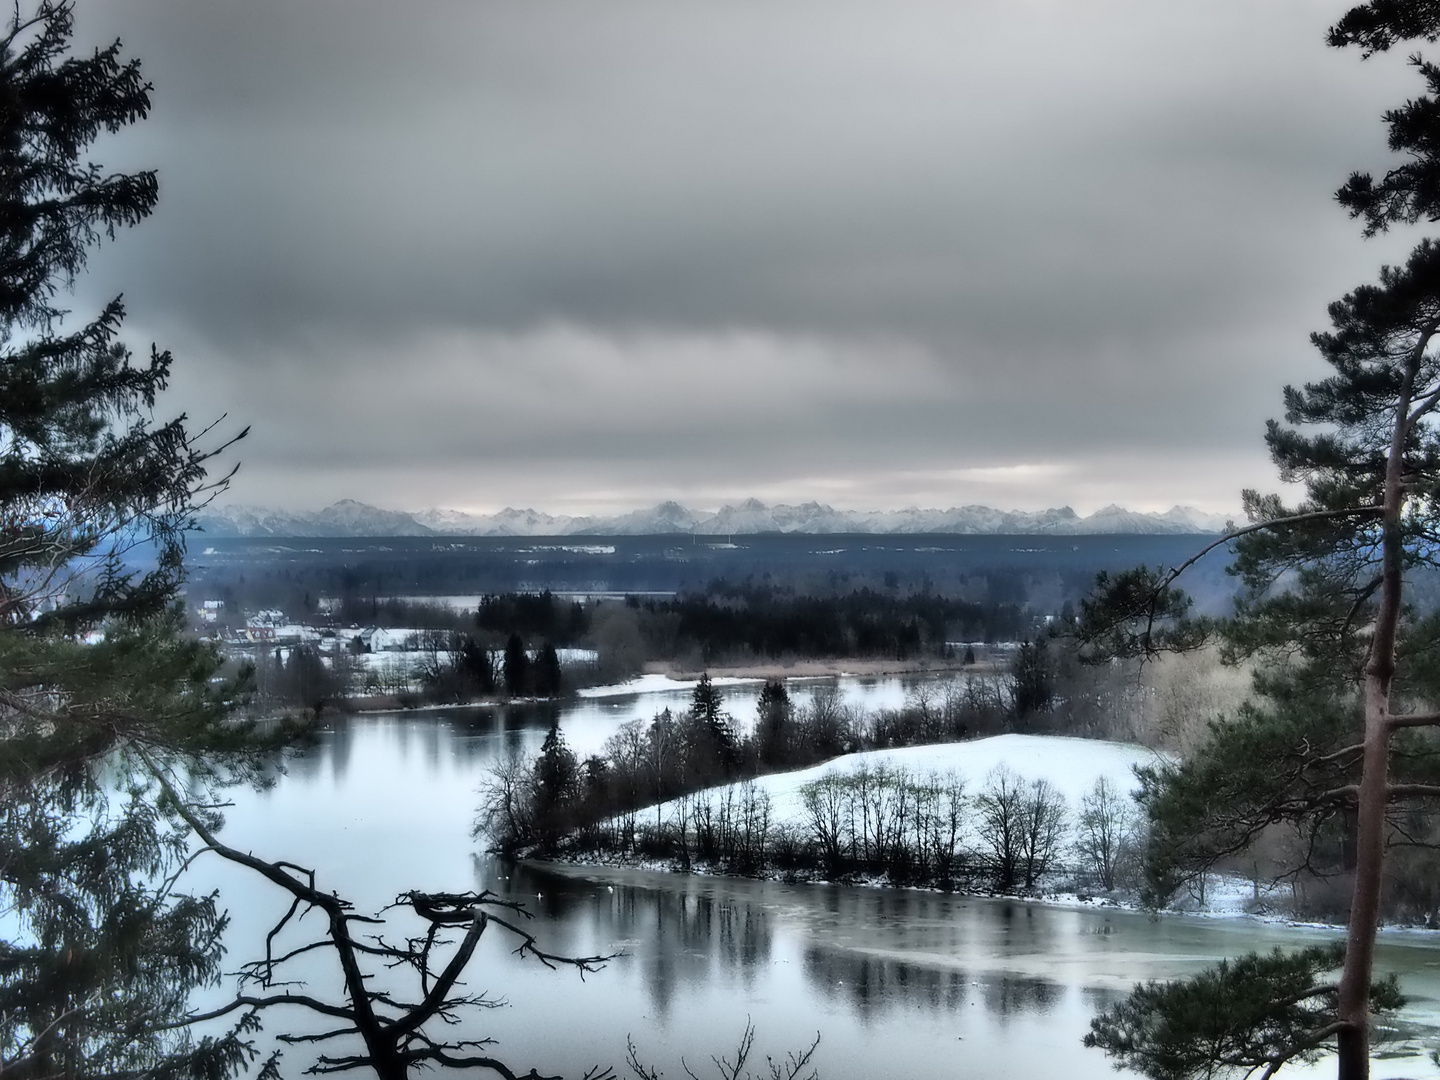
[(1071, 765), (1001, 813), (786, 826)]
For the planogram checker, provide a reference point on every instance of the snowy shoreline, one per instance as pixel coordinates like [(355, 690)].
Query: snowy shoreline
[(588, 867), (1071, 766)]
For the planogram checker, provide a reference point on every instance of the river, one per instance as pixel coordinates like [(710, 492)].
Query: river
[(897, 982)]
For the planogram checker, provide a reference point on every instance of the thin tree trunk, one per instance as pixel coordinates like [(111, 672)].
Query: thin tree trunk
[(1354, 1002), (1353, 1040)]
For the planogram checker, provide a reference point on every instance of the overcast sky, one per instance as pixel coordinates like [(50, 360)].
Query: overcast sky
[(584, 256)]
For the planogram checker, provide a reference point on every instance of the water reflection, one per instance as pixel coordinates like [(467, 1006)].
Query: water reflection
[(685, 932), (1017, 982), (895, 980), (874, 989), (1008, 995)]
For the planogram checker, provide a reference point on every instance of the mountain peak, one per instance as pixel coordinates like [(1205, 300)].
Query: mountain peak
[(350, 517)]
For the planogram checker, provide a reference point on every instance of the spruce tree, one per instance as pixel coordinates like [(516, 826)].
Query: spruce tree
[(517, 667), (97, 956), (476, 666), (556, 778), (773, 721), (1032, 679), (547, 671), (713, 748)]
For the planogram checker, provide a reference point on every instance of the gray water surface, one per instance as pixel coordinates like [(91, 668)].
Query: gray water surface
[(897, 982)]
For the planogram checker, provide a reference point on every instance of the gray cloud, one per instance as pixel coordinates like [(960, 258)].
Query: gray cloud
[(476, 253)]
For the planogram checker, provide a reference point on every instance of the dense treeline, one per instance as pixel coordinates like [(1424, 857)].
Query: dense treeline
[(607, 802), (1040, 571), (722, 619), (534, 615), (457, 656), (771, 622), (443, 667), (674, 755)]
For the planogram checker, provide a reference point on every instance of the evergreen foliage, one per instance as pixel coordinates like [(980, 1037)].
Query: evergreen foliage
[(751, 620), (533, 615), (1248, 1015), (476, 667), (774, 715), (556, 785), (99, 950), (713, 750), (1337, 751), (1032, 679), (85, 475), (546, 671), (517, 667)]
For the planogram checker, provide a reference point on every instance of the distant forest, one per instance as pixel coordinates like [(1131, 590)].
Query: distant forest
[(1029, 572), (723, 622)]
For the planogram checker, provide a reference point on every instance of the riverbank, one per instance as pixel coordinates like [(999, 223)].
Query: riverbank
[(924, 817), (945, 814), (1228, 897), (620, 868)]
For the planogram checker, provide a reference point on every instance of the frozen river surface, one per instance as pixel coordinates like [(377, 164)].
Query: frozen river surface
[(897, 982)]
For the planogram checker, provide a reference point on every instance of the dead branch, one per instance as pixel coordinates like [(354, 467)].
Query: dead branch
[(391, 1030)]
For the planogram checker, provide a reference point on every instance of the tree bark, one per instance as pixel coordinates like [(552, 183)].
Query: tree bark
[(1353, 1007)]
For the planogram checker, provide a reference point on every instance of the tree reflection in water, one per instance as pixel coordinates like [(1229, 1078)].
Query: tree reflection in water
[(684, 933)]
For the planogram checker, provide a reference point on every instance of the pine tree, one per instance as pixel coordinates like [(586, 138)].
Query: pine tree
[(1032, 681), (476, 666), (1347, 668), (706, 701), (96, 958), (547, 671), (713, 748), (773, 722), (555, 785), (517, 667)]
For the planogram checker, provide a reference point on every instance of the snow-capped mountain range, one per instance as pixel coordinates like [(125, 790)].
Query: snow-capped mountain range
[(350, 518)]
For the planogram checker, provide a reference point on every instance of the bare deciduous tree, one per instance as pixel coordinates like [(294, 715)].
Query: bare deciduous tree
[(1105, 830), (372, 1028), (1043, 820), (1000, 808)]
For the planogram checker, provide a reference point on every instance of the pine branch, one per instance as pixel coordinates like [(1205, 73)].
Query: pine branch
[(1413, 720)]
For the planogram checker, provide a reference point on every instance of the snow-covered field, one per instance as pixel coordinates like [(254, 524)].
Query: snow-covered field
[(1071, 765)]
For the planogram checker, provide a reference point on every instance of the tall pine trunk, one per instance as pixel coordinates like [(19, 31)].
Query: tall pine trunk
[(1354, 998)]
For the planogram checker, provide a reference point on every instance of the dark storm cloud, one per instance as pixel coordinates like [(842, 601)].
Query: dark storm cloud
[(476, 253)]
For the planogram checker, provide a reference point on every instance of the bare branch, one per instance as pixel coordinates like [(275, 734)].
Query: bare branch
[(585, 964), (391, 1041)]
